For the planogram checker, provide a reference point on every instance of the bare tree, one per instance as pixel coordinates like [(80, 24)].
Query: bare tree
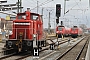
[(83, 26)]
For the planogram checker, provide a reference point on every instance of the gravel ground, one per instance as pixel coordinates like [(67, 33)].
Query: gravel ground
[(74, 52), (1, 46), (58, 52), (83, 55)]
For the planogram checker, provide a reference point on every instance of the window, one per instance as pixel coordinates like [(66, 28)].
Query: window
[(22, 17), (60, 28), (34, 17)]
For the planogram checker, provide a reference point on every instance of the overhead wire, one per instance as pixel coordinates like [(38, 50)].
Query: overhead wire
[(39, 5), (77, 3), (47, 1), (32, 3), (70, 9), (83, 12), (77, 9), (79, 6), (34, 0), (73, 7)]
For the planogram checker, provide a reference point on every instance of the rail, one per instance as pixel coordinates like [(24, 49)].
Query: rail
[(47, 47), (7, 53), (78, 56), (58, 58)]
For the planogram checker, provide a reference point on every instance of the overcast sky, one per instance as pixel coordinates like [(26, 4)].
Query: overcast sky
[(78, 11)]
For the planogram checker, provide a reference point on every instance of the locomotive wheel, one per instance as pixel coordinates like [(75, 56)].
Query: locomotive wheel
[(31, 47)]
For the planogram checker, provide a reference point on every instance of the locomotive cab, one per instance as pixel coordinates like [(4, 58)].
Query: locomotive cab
[(60, 31), (25, 26), (75, 31)]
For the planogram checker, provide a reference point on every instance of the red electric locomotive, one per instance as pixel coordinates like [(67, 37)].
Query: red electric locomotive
[(26, 27), (62, 31), (75, 31)]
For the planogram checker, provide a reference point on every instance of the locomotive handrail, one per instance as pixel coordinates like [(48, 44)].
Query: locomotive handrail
[(11, 29)]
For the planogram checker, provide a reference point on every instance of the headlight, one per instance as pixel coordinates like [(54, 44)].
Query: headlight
[(6, 35), (9, 43), (34, 35)]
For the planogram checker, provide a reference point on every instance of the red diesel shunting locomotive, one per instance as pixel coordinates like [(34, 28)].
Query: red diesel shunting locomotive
[(26, 26)]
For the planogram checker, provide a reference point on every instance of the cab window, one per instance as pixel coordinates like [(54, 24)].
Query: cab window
[(59, 28), (34, 17), (22, 17)]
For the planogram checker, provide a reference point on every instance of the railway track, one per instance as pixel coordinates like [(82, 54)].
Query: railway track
[(52, 56), (41, 52), (74, 52), (16, 56), (7, 56), (7, 53), (30, 56), (83, 55), (48, 56)]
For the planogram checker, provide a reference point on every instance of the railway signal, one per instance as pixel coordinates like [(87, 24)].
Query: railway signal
[(61, 23), (58, 10), (57, 20)]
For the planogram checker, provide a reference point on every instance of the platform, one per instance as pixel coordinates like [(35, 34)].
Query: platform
[(88, 52)]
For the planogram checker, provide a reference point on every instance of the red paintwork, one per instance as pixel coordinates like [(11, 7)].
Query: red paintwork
[(31, 27), (76, 31), (63, 31)]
